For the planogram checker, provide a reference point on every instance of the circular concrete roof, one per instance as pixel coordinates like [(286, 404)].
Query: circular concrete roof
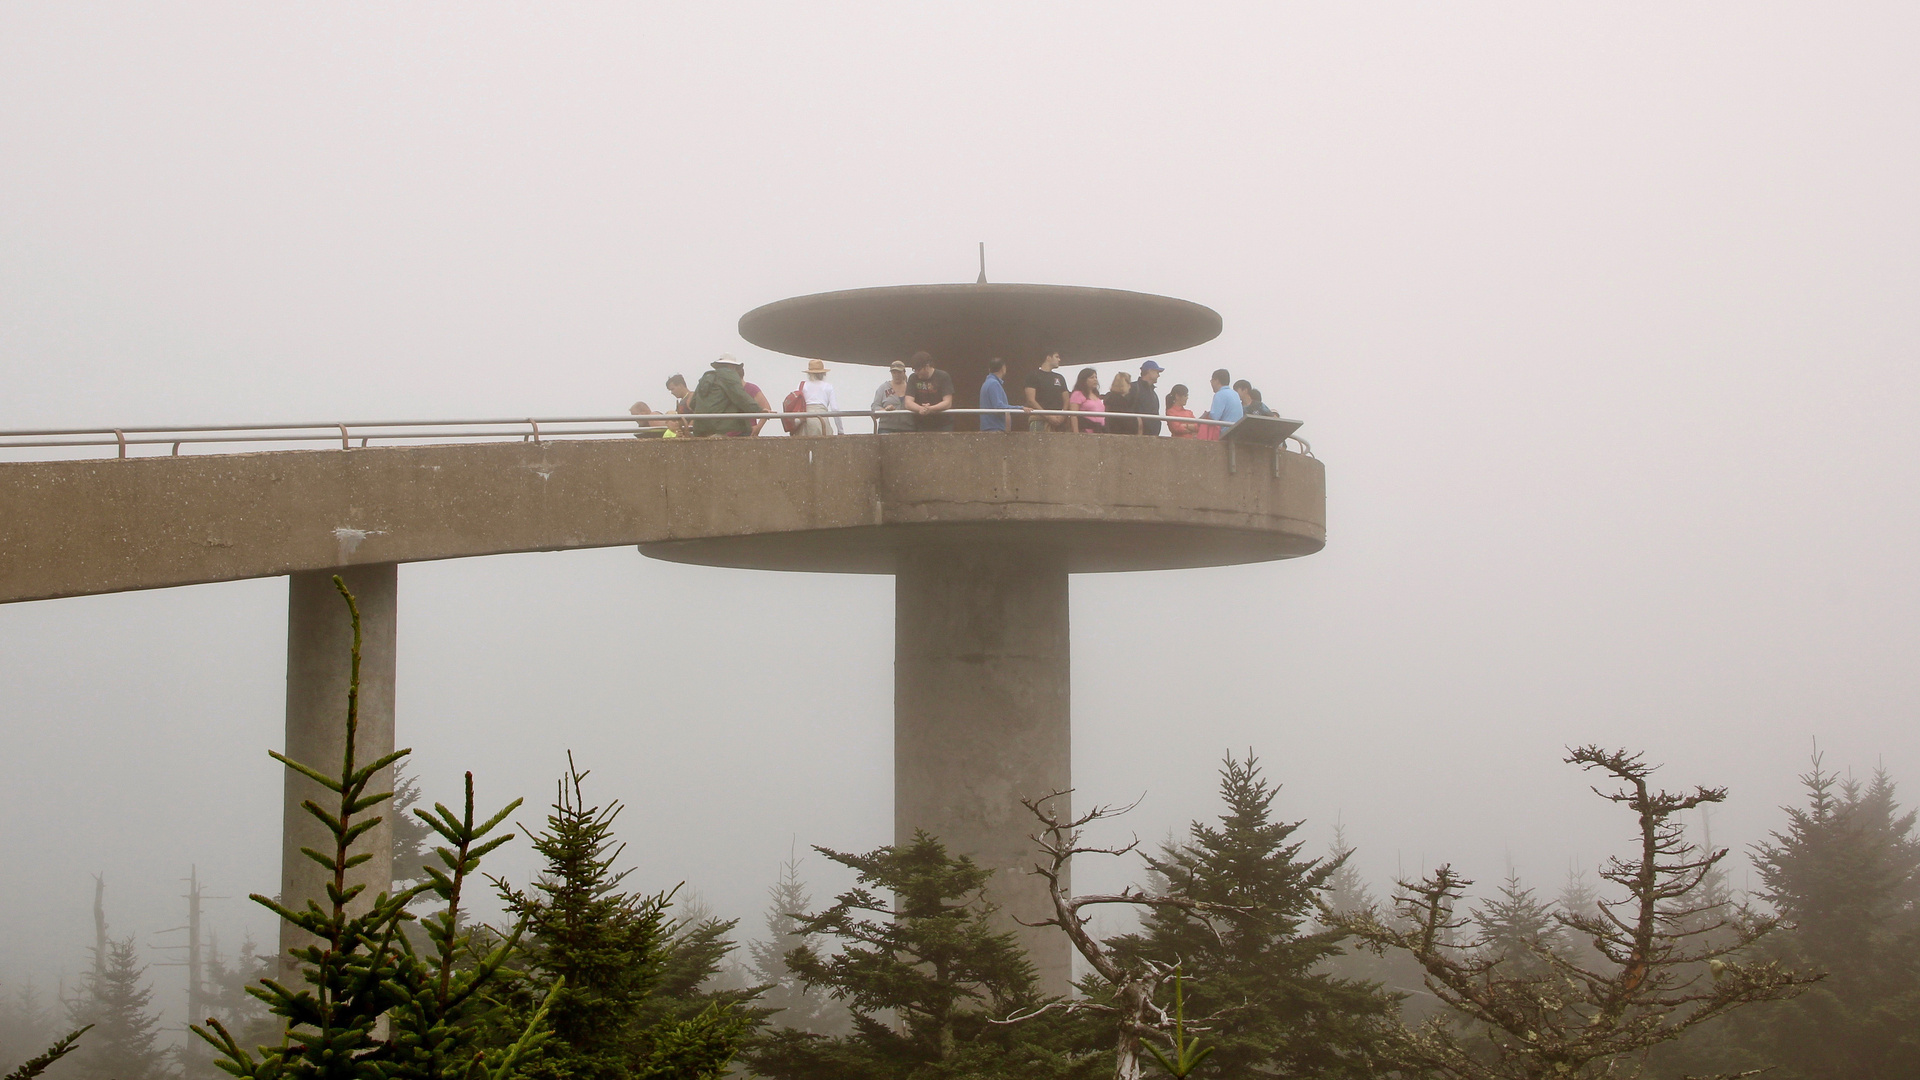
[(972, 322)]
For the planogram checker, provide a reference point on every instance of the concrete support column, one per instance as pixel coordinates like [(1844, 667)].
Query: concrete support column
[(319, 662), (981, 686)]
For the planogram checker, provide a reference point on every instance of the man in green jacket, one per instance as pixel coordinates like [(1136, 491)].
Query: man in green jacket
[(723, 390)]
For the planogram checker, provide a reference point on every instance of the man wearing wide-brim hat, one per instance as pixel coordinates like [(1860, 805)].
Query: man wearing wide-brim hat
[(723, 390)]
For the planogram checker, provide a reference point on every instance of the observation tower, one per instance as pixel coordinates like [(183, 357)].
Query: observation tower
[(980, 530), (982, 660)]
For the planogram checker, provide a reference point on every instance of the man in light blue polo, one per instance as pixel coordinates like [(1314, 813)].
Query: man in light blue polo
[(993, 395), (1226, 401)]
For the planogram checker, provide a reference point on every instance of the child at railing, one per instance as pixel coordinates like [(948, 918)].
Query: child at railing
[(1177, 406), (650, 428)]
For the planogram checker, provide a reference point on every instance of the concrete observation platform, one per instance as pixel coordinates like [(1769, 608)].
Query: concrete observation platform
[(980, 531)]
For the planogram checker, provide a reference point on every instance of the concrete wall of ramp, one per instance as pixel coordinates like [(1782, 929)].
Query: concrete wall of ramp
[(846, 504)]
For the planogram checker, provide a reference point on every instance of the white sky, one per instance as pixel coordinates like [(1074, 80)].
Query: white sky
[(1603, 322)]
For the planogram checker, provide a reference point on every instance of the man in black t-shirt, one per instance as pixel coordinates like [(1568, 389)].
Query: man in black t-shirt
[(1047, 389), (929, 395), (1146, 399)]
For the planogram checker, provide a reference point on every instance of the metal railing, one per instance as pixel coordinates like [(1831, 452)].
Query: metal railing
[(526, 429)]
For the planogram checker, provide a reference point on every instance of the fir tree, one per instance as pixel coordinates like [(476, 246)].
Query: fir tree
[(372, 1007), (27, 1026), (1346, 890), (697, 981), (1136, 998), (925, 975), (1260, 965), (229, 1001), (1396, 974), (1518, 939), (117, 1004), (1578, 899), (792, 1003), (1845, 873), (623, 981), (1516, 928), (412, 839)]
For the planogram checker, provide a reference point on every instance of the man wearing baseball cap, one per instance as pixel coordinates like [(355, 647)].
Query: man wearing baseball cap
[(1146, 399), (890, 402)]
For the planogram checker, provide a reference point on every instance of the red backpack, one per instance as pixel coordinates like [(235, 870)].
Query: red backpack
[(796, 403)]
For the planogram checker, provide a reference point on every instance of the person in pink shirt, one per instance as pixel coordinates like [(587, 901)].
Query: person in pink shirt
[(1177, 406), (1086, 399)]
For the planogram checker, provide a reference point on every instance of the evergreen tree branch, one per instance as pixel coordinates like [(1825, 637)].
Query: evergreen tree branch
[(38, 1064)]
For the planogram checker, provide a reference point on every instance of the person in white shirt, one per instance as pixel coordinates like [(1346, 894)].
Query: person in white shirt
[(818, 393)]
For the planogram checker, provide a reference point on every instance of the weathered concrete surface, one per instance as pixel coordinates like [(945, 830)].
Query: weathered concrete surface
[(981, 683), (319, 665), (848, 504)]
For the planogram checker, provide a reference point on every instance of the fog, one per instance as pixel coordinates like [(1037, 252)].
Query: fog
[(1603, 323)]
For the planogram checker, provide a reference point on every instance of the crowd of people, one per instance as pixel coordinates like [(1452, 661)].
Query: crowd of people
[(918, 396)]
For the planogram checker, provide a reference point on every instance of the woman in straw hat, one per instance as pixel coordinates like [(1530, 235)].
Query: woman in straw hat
[(818, 393)]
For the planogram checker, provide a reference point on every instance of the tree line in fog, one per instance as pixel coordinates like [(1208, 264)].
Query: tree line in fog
[(1250, 956)]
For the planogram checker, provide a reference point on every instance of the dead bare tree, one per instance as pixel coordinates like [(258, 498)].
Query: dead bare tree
[(1133, 983), (1669, 950)]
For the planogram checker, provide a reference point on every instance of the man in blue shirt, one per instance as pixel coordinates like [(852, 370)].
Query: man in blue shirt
[(993, 395), (1226, 400)]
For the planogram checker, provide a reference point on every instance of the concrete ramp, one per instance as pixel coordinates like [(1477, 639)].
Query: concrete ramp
[(844, 504)]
